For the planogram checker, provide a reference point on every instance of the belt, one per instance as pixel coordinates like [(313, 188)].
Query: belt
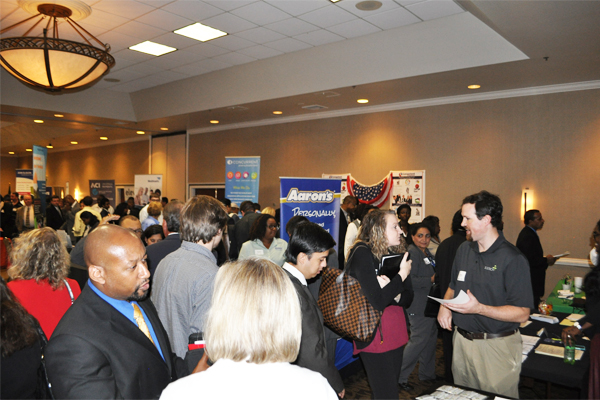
[(482, 335)]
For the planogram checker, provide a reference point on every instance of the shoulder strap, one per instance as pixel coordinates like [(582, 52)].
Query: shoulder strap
[(70, 291)]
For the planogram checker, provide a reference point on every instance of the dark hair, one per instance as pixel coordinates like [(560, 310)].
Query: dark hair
[(87, 201), (55, 197), (486, 204), (130, 198), (157, 191), (172, 214), (414, 228), (92, 217), (226, 201), (350, 199), (362, 209), (259, 227), (402, 206), (432, 223), (293, 223), (201, 218), (121, 209), (18, 326), (165, 199), (151, 231), (457, 221), (257, 206), (308, 238), (103, 201), (247, 206), (529, 216)]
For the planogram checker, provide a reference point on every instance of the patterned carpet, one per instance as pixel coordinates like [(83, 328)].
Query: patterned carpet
[(357, 386)]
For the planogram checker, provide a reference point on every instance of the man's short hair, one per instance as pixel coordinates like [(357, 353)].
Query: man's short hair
[(201, 219), (171, 215), (350, 199), (54, 197), (87, 201), (486, 203), (256, 207), (127, 217), (529, 216), (155, 197), (254, 315), (165, 199), (457, 221), (293, 222), (247, 206), (226, 201), (308, 238)]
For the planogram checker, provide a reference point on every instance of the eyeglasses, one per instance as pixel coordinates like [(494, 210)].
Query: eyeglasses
[(137, 230), (272, 226)]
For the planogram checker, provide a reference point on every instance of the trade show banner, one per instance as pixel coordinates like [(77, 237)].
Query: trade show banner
[(145, 185), (24, 183), (39, 178), (314, 198), (103, 187), (242, 178)]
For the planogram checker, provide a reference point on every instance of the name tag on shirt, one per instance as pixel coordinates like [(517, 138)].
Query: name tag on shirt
[(426, 261), (259, 253), (461, 276)]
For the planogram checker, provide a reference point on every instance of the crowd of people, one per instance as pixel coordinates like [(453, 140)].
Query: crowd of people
[(162, 280)]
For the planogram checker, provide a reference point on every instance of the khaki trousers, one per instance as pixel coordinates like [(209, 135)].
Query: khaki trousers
[(491, 365)]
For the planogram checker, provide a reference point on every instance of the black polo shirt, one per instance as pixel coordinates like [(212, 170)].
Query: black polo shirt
[(496, 277)]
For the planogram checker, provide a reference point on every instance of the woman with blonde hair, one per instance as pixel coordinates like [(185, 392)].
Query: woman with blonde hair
[(268, 210), (379, 236), (252, 333), (40, 265)]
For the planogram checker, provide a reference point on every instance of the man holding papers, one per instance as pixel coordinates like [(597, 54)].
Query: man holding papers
[(495, 276)]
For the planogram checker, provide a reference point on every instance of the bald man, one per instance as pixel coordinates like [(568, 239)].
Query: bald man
[(111, 343)]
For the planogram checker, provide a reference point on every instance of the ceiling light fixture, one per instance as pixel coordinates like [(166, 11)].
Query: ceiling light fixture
[(58, 115), (362, 101), (214, 121), (74, 143), (51, 63), (200, 32), (154, 49), (473, 86), (103, 138), (141, 132), (278, 112), (11, 152), (49, 146), (28, 150), (38, 121), (334, 1), (164, 129)]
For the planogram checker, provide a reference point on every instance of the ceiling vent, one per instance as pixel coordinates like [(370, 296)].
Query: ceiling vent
[(315, 107), (238, 108), (329, 93)]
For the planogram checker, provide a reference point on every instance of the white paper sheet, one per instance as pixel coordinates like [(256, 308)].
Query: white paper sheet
[(462, 298)]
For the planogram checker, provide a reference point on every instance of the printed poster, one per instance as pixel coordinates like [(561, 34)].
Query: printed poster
[(242, 178), (24, 182), (39, 178), (145, 185), (409, 188), (103, 187)]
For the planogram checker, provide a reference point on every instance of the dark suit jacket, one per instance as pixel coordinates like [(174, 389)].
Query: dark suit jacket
[(20, 221), (241, 233), (341, 238), (529, 244), (157, 251), (54, 218), (96, 352), (444, 259), (313, 352)]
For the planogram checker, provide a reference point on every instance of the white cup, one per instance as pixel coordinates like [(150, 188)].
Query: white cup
[(578, 280)]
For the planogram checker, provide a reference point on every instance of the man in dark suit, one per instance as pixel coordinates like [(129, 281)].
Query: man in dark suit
[(111, 343), (241, 231), (54, 217), (307, 255), (26, 215), (529, 244), (156, 252), (348, 206)]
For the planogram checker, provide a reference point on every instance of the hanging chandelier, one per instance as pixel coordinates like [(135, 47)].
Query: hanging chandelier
[(48, 62)]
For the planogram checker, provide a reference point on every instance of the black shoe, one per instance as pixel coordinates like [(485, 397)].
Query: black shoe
[(406, 387)]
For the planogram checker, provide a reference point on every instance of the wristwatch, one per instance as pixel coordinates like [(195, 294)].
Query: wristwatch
[(577, 325)]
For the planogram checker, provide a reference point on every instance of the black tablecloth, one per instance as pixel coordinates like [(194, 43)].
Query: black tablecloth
[(553, 369)]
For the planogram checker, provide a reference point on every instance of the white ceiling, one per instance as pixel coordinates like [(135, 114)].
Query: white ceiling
[(257, 30)]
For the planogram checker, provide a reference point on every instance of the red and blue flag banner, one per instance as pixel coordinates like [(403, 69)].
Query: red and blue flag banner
[(377, 195)]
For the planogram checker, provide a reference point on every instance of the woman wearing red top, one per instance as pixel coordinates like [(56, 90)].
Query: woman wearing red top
[(40, 264)]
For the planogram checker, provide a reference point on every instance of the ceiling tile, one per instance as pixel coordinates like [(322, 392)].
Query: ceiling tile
[(174, 40), (213, 65), (288, 45), (260, 13), (192, 69), (133, 86), (166, 20), (145, 69), (260, 35), (194, 10), (407, 2), (167, 76), (122, 63), (156, 3), (207, 50), (260, 52), (350, 5), (292, 27), (229, 23), (175, 59), (233, 43), (297, 7), (355, 28), (328, 16), (235, 58), (393, 18), (139, 30), (228, 5), (128, 9), (319, 37), (103, 20), (432, 9), (125, 75), (117, 41)]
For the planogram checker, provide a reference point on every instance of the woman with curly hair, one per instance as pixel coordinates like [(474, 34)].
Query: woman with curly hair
[(379, 236), (263, 241), (40, 264)]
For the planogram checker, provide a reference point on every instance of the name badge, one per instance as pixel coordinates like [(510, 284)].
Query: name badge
[(259, 252), (461, 276), (426, 261)]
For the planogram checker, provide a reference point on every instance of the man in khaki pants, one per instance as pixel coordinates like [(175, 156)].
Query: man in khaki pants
[(495, 276)]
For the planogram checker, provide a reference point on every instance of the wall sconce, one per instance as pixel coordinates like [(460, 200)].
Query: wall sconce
[(527, 201), (76, 194)]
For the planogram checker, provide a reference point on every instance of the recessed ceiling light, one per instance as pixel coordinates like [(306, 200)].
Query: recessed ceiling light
[(214, 121), (11, 152), (474, 86), (152, 48), (164, 129), (362, 101), (334, 1), (58, 115), (200, 32), (141, 132), (74, 143), (369, 5), (49, 146), (38, 121), (103, 138), (28, 150), (278, 112)]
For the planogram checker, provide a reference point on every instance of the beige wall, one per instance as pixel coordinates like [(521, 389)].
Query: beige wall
[(7, 173), (549, 143), (168, 159)]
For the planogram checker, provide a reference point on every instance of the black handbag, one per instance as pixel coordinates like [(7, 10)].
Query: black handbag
[(433, 307)]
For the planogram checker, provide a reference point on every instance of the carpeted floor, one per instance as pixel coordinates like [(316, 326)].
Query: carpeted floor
[(357, 386)]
